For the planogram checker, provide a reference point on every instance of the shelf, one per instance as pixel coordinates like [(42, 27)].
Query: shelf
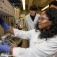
[(6, 8), (3, 12)]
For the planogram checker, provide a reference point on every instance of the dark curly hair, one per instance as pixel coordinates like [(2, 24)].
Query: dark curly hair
[(53, 3), (51, 13), (33, 7)]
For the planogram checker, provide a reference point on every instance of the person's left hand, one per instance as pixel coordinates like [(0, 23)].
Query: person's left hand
[(4, 47), (4, 24)]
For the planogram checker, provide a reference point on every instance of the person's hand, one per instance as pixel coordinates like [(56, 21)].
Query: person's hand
[(4, 24), (4, 47)]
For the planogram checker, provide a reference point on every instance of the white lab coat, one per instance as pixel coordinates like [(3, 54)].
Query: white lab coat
[(30, 24), (39, 47)]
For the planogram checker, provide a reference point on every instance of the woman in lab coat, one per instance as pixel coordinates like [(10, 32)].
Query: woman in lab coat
[(43, 39), (31, 18)]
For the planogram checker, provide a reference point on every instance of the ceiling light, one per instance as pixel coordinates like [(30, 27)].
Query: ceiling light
[(23, 2), (45, 8)]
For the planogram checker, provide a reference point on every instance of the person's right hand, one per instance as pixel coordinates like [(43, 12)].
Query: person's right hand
[(4, 47), (4, 24)]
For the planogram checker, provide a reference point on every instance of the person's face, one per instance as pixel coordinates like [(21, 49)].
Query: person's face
[(53, 6), (43, 22), (32, 13)]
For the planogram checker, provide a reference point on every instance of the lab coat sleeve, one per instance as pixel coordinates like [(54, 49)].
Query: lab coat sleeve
[(44, 49), (24, 52), (20, 52), (22, 34)]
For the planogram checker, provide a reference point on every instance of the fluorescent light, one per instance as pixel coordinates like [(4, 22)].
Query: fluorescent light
[(45, 8), (23, 2)]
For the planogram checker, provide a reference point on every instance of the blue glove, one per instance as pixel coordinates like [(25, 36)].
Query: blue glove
[(4, 24), (4, 47)]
